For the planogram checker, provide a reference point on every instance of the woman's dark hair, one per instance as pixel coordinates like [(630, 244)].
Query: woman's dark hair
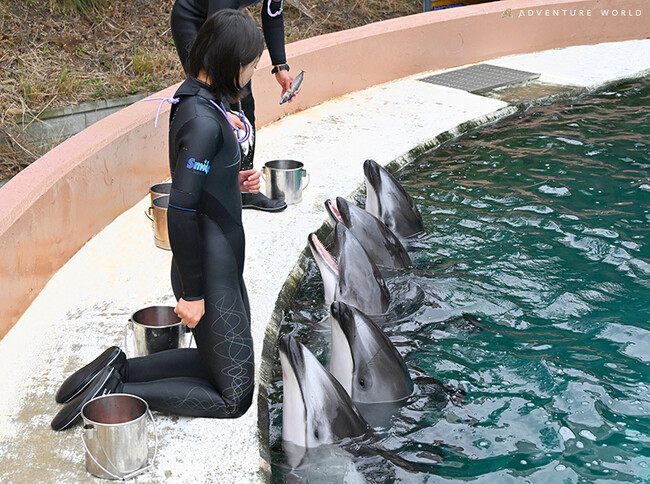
[(225, 42)]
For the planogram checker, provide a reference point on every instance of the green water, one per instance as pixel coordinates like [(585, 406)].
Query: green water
[(538, 226)]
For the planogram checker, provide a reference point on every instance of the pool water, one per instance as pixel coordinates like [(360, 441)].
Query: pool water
[(531, 294)]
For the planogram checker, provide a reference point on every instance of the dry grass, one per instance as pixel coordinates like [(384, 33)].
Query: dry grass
[(64, 52)]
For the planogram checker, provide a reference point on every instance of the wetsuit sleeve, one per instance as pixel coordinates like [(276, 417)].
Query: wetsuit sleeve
[(198, 143), (273, 28)]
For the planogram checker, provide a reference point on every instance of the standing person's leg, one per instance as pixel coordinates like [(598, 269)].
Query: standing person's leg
[(185, 23), (257, 201)]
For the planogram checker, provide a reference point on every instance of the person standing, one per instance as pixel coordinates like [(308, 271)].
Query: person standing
[(186, 19), (216, 379)]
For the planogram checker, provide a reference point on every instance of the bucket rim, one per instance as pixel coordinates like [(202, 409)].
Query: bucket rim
[(300, 166), (93, 422), (160, 199), (132, 318), (163, 184)]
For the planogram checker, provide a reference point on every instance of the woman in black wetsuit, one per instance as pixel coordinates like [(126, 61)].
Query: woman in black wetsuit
[(187, 16), (207, 238)]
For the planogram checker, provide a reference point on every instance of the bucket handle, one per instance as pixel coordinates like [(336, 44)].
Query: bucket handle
[(128, 326), (148, 213), (263, 172), (304, 173), (132, 474)]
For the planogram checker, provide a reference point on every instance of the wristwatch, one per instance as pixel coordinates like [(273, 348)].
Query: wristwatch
[(283, 67)]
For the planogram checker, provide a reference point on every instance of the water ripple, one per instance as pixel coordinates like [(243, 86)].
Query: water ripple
[(537, 229)]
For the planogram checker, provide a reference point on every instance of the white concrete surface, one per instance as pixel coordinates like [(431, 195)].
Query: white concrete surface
[(84, 308)]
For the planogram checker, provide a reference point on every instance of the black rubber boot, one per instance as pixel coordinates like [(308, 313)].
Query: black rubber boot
[(259, 201), (107, 381), (80, 379)]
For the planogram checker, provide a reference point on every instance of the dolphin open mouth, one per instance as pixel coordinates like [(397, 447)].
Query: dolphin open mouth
[(318, 246), (333, 210)]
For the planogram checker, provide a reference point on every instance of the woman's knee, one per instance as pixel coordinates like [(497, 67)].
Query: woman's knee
[(238, 406)]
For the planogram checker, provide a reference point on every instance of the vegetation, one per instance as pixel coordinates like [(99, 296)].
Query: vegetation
[(64, 52)]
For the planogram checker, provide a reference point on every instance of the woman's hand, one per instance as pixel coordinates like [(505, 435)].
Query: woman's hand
[(235, 121), (285, 80), (190, 312), (249, 181)]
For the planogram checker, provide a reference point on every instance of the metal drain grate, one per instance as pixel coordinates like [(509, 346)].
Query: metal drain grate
[(480, 78)]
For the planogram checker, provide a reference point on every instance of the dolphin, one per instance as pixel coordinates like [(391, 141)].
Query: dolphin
[(355, 279), (327, 266), (387, 200), (381, 244), (360, 283), (364, 360), (316, 410)]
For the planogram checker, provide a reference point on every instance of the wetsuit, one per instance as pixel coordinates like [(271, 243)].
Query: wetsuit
[(188, 16), (207, 240)]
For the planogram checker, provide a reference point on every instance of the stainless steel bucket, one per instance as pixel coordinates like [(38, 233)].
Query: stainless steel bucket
[(285, 180), (158, 213), (159, 189), (156, 328), (115, 436)]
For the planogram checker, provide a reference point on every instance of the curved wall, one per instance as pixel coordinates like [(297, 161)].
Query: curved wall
[(52, 208)]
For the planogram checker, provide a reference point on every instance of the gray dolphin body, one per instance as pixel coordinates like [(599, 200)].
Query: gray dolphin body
[(316, 409), (387, 200), (355, 279), (360, 283), (364, 360), (381, 244)]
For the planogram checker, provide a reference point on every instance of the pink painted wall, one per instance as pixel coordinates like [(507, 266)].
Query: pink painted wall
[(51, 209)]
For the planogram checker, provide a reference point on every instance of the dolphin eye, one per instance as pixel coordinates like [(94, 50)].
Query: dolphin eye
[(362, 382), (316, 434)]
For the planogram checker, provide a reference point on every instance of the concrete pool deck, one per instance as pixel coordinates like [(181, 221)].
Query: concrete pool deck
[(85, 306)]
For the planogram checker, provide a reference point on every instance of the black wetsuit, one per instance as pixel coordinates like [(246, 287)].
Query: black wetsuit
[(188, 16), (207, 240)]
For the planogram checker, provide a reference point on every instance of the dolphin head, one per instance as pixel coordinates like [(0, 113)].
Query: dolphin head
[(329, 269), (315, 409), (360, 283), (381, 244), (387, 200), (373, 186), (364, 360)]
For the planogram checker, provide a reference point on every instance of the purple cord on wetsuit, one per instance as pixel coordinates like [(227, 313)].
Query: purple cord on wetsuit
[(170, 100), (174, 100), (247, 124)]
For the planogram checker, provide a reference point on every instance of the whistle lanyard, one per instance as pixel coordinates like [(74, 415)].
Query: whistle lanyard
[(163, 100), (247, 125)]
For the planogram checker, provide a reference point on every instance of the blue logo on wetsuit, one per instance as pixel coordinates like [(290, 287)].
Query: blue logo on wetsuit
[(198, 167)]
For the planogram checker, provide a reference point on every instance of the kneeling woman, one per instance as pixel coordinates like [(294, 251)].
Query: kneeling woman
[(207, 238)]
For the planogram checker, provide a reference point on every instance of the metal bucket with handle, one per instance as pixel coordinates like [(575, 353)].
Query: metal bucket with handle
[(115, 436), (285, 180)]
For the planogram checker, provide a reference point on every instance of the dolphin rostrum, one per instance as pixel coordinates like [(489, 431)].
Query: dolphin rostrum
[(327, 266), (316, 409), (364, 360), (355, 280), (381, 244), (387, 200)]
